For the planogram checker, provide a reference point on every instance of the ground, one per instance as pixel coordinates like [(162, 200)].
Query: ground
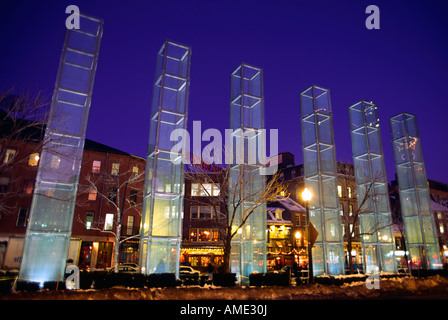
[(435, 287)]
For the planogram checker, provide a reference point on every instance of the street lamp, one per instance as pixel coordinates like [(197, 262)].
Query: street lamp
[(306, 196)]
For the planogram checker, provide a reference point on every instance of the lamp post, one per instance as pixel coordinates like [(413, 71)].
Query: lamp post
[(306, 196)]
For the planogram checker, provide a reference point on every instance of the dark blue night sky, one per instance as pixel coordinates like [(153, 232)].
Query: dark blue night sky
[(403, 67)]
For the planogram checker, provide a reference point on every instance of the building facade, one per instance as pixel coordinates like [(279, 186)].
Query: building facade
[(107, 177), (348, 205)]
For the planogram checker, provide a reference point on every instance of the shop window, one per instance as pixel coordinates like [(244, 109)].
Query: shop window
[(193, 235), (204, 235), (33, 160)]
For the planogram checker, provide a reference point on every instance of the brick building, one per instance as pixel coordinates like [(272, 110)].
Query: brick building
[(95, 218)]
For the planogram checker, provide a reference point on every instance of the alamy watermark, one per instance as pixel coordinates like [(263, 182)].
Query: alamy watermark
[(373, 281), (240, 147)]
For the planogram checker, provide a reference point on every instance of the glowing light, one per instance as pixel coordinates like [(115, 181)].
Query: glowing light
[(298, 235), (306, 195)]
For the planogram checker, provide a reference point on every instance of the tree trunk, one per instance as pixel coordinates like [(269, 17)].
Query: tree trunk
[(117, 248), (226, 263), (350, 259)]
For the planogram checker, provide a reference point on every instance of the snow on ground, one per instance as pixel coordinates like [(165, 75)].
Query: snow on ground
[(401, 288)]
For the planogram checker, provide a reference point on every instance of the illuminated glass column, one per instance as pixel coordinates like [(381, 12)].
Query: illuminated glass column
[(321, 179), (51, 216), (160, 236), (418, 220), (375, 220), (248, 252)]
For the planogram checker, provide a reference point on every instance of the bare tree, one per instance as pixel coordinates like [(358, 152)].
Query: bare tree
[(228, 204), (23, 118), (122, 194), (369, 194)]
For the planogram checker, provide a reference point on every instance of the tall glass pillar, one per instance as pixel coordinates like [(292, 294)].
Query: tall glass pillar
[(375, 220), (51, 216), (248, 252), (321, 179), (418, 219), (160, 236)]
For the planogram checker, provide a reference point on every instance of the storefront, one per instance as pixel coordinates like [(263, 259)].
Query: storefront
[(200, 258), (95, 255), (278, 260)]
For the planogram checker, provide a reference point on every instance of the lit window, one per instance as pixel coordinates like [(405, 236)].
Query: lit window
[(96, 166), (350, 209), (92, 194), (33, 160), (349, 192), (130, 226), (339, 191), (205, 189), (442, 230), (109, 223), (204, 235), (216, 190), (55, 161), (89, 220), (135, 171), (193, 235), (278, 214), (115, 168), (28, 186), (9, 155), (195, 189)]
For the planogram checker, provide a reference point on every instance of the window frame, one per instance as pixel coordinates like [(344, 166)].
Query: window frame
[(96, 169), (89, 214), (109, 223)]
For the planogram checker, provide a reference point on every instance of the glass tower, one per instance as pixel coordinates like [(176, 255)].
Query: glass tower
[(160, 236), (417, 215), (51, 216), (321, 179), (375, 220), (246, 181)]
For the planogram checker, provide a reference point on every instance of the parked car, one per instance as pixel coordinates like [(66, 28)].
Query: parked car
[(187, 270)]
